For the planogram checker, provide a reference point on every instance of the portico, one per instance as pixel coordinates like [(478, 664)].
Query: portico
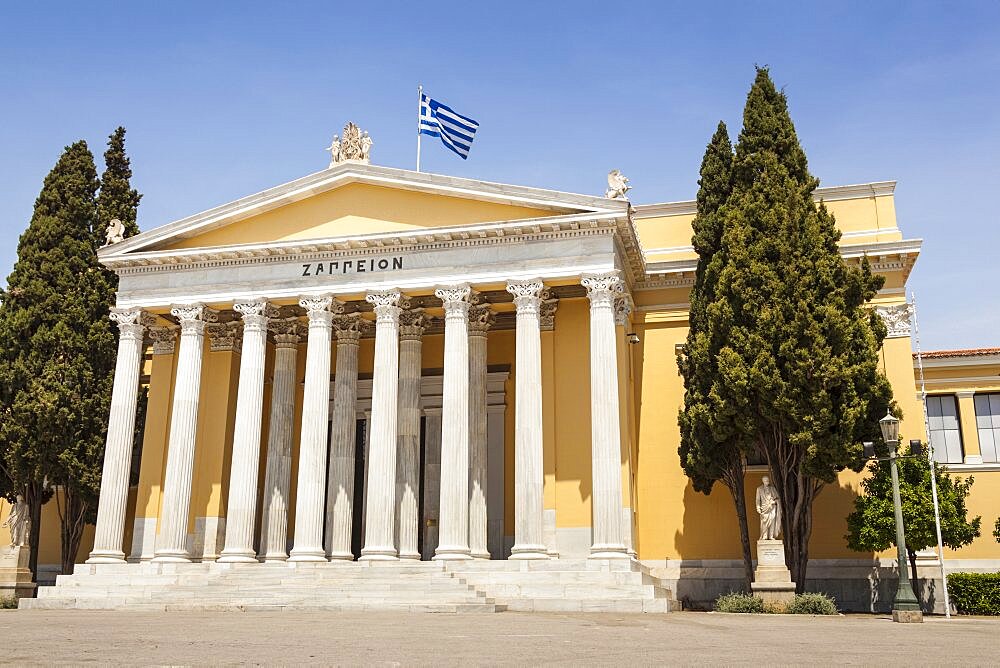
[(390, 311)]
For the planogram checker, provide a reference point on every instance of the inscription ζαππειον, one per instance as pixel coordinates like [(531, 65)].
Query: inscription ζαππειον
[(357, 266)]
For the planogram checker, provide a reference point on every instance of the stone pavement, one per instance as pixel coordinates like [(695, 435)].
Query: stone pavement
[(380, 638)]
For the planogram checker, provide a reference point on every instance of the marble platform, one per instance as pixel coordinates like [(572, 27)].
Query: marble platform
[(563, 585)]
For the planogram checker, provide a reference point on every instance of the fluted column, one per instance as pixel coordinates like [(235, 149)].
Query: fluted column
[(608, 529), (529, 471), (311, 486), (453, 541), (278, 469), (380, 499), (113, 499), (172, 542), (408, 437), (241, 510), (340, 486), (481, 318)]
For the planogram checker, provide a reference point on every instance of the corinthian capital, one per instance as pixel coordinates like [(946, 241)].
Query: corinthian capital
[(602, 288), (349, 328), (386, 304), (481, 318), (192, 317), (527, 294), (164, 339), (412, 324)]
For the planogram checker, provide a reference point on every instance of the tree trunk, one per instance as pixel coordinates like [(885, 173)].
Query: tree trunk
[(797, 492), (738, 493), (72, 520), (913, 573), (34, 496)]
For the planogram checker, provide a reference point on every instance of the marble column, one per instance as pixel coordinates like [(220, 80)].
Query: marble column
[(172, 542), (340, 486), (278, 469), (453, 540), (311, 486), (241, 509), (529, 471), (380, 498), (481, 318), (411, 330), (606, 474), (113, 499)]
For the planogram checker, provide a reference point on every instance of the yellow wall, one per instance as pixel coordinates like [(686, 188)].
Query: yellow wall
[(357, 209)]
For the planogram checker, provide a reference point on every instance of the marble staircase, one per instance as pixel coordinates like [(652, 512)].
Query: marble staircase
[(469, 586)]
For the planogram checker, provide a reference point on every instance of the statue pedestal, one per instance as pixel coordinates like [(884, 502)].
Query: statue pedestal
[(15, 576), (772, 579)]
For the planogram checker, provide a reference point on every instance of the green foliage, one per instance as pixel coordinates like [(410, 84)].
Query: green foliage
[(8, 603), (57, 345), (996, 530), (975, 593), (797, 363), (872, 524), (812, 604), (739, 602)]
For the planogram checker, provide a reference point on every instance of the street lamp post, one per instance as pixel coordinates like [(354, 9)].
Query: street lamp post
[(905, 607)]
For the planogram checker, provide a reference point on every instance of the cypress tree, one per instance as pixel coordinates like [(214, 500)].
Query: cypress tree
[(117, 199), (53, 343), (798, 370), (711, 449)]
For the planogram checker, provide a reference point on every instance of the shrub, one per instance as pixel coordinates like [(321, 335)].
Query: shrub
[(8, 602), (812, 604), (975, 593), (739, 602)]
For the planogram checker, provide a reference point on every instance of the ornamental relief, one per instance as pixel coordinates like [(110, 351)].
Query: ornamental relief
[(897, 319)]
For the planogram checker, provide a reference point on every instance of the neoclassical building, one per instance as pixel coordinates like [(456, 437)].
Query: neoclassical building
[(378, 365)]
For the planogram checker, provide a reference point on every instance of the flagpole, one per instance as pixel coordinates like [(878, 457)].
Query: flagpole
[(930, 456), (420, 97)]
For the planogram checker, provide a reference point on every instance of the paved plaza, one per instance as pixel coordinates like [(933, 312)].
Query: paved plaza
[(375, 638)]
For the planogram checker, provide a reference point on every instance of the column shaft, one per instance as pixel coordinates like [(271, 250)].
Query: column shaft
[(172, 542), (311, 486), (340, 488), (381, 493), (529, 472), (113, 499), (453, 540), (408, 437), (480, 320), (241, 510), (608, 529), (278, 470)]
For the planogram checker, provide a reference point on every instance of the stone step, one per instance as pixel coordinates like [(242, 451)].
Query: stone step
[(617, 605), (341, 606)]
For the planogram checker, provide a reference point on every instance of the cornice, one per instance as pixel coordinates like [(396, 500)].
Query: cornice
[(828, 194)]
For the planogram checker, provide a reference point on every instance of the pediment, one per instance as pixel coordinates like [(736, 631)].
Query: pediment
[(356, 200)]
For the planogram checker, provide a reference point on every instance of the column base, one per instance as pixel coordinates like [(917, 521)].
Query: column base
[(171, 557), (608, 552), (452, 554), (378, 554), (307, 555), (106, 557), (341, 556), (274, 558), (483, 556), (409, 556), (237, 557), (529, 552)]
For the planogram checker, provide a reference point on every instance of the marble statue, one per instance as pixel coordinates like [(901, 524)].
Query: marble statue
[(770, 510), (351, 146), (334, 149), (115, 233), (18, 522), (618, 185)]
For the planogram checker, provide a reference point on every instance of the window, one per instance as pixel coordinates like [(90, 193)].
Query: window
[(988, 423), (946, 437)]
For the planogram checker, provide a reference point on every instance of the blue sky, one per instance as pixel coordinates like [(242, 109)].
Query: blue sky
[(223, 100)]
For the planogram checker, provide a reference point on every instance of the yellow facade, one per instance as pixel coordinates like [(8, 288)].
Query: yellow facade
[(671, 520)]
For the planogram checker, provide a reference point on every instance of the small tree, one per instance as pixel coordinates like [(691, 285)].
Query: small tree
[(711, 449), (799, 369), (872, 524)]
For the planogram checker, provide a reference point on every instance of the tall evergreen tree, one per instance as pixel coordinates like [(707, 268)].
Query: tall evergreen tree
[(872, 524), (711, 449), (53, 336), (117, 199), (799, 373)]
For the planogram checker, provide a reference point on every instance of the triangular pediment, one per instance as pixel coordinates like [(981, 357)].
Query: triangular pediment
[(356, 200)]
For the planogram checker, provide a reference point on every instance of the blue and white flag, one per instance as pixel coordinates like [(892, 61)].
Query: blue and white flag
[(455, 130)]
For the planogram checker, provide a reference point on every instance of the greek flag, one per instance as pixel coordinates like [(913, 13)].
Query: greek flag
[(439, 120)]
